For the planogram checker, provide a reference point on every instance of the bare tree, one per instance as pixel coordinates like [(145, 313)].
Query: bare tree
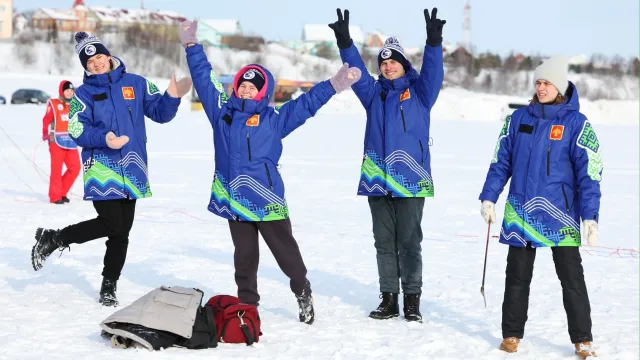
[(326, 51), (634, 69), (60, 58), (23, 48)]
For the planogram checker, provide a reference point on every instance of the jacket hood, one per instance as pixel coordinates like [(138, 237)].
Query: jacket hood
[(571, 104), (111, 77), (60, 91), (261, 100), (400, 83)]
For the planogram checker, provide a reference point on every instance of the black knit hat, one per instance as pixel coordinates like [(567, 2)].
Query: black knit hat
[(67, 85), (253, 76), (393, 50), (88, 46)]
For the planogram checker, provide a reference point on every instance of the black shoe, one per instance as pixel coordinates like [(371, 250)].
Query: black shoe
[(65, 199), (47, 241), (411, 307), (306, 313), (388, 308), (59, 202), (108, 292)]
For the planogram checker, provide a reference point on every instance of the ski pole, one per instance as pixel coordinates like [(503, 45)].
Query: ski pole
[(484, 271)]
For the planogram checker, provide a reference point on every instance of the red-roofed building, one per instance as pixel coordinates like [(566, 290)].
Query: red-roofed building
[(83, 18)]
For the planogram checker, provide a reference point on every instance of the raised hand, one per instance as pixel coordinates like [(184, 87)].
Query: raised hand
[(180, 88), (345, 77), (341, 29), (116, 142), (434, 27), (188, 31)]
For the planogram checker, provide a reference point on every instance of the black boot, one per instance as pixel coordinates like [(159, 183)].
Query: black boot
[(47, 241), (108, 292), (306, 314), (388, 308), (65, 199), (411, 307)]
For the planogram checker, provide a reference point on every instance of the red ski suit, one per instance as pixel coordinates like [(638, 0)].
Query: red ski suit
[(62, 148)]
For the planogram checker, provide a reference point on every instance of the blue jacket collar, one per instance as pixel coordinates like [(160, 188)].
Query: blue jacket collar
[(247, 105), (252, 106), (401, 83), (112, 77), (546, 111)]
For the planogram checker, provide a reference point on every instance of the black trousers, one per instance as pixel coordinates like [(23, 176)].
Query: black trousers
[(574, 291), (114, 221), (279, 238)]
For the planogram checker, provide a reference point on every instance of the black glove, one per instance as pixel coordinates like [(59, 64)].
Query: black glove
[(434, 27), (341, 28)]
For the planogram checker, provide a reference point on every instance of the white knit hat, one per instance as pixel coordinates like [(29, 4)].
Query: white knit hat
[(554, 70)]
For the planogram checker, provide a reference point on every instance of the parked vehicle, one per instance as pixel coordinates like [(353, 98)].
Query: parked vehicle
[(3, 101), (29, 96), (509, 109)]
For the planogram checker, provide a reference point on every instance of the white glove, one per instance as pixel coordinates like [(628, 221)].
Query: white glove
[(488, 211), (116, 142), (590, 231)]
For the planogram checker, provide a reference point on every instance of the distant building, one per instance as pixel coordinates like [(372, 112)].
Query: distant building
[(20, 22), (316, 35), (6, 19), (112, 20), (75, 19), (212, 31), (83, 18), (375, 40)]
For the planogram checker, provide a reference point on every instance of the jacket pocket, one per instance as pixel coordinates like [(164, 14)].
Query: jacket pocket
[(173, 297), (131, 116), (549, 161), (404, 124), (421, 152), (566, 200), (266, 168), (91, 159), (249, 146)]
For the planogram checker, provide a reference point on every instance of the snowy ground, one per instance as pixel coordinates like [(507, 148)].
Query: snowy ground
[(54, 313)]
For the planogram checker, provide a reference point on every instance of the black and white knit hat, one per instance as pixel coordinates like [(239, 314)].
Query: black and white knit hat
[(253, 76), (392, 50), (88, 46)]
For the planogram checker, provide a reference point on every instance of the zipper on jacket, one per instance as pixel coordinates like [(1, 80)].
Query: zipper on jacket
[(268, 176), (249, 146), (566, 201), (548, 160), (542, 106), (242, 105), (131, 116), (404, 124), (124, 178), (421, 151)]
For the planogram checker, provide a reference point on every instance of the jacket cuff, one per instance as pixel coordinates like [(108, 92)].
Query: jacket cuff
[(590, 215), (489, 195)]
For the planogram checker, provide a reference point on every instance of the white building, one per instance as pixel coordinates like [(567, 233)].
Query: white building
[(211, 31), (314, 35)]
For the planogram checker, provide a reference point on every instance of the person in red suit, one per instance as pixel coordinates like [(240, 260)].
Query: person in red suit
[(62, 148)]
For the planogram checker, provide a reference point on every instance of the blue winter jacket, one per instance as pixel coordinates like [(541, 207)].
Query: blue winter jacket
[(247, 138), (552, 155), (396, 156), (118, 102)]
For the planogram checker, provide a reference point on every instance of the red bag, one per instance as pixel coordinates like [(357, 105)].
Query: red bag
[(236, 322)]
